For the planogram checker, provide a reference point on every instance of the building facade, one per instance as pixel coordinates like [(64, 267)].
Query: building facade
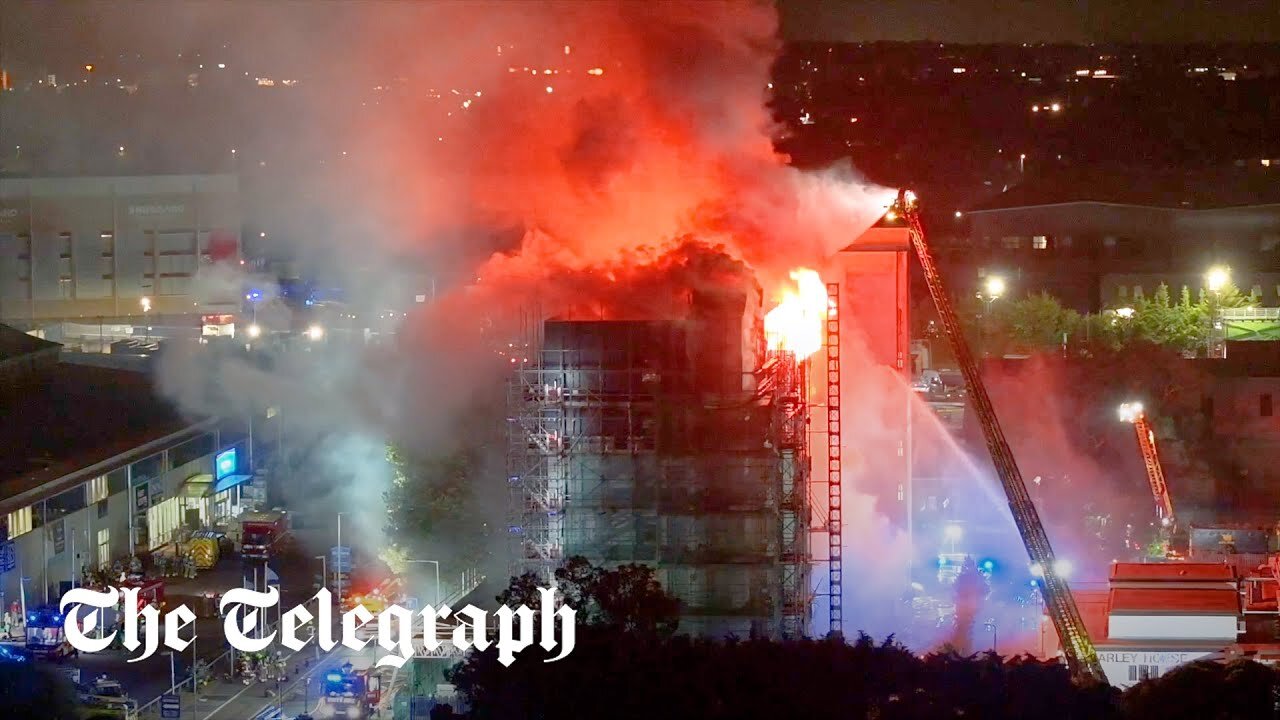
[(135, 502), (1094, 255), (90, 249), (668, 443)]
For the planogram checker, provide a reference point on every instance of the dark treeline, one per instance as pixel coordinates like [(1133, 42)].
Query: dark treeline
[(629, 663)]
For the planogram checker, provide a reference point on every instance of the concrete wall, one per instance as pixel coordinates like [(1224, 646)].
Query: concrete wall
[(1172, 627), (92, 247)]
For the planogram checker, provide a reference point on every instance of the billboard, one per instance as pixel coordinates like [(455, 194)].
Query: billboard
[(225, 464)]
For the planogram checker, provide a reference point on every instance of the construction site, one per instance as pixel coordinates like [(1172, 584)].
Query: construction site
[(679, 444), (717, 445), (707, 445)]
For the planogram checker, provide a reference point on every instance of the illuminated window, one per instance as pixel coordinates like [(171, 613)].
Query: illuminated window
[(1123, 291), (1039, 242), (97, 489), (1011, 242), (1255, 292), (104, 547), (1137, 292), (20, 522)]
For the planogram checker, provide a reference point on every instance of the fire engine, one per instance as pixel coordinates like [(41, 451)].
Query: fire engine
[(45, 636), (264, 535), (349, 693)]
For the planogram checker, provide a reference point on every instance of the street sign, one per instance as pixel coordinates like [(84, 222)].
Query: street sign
[(8, 558), (411, 603), (340, 558), (170, 706)]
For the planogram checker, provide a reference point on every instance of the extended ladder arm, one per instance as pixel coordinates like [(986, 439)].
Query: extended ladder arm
[(1078, 649), (1150, 460)]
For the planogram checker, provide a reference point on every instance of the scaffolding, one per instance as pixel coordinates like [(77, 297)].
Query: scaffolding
[(646, 442)]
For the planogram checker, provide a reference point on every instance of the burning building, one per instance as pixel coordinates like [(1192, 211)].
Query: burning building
[(679, 444)]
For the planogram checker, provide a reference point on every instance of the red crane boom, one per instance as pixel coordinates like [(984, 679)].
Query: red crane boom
[(1077, 647), (1134, 413)]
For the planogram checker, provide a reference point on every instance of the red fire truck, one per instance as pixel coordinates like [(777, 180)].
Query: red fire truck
[(264, 535)]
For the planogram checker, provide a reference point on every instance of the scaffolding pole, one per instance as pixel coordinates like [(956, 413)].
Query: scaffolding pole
[(835, 538)]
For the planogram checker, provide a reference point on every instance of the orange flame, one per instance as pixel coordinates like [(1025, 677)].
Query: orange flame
[(796, 325)]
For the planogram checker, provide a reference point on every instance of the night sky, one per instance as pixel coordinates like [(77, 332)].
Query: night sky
[(1018, 21), (47, 31)]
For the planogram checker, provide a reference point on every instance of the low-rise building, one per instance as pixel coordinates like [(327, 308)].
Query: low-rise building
[(94, 468), (1154, 617)]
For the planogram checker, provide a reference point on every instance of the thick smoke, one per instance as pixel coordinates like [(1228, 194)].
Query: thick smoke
[(588, 159)]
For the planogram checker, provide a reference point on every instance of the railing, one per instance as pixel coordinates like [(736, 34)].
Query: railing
[(1250, 313)]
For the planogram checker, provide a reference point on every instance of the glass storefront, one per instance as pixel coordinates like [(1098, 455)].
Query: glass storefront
[(163, 521)]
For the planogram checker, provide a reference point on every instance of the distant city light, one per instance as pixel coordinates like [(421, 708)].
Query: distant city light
[(1056, 107), (1035, 108), (315, 332), (549, 89), (222, 66), (255, 330), (958, 213), (145, 302)]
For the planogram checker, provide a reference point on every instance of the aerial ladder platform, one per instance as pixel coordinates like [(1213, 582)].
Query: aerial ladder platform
[(1077, 647), (1134, 413)]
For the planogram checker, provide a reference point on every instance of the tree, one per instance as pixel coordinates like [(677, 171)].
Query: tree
[(1181, 326), (432, 507), (1036, 322), (627, 598), (1205, 690)]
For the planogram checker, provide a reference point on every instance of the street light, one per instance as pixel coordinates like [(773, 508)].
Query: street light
[(437, 564), (1217, 278), (146, 309), (315, 333), (1022, 162), (994, 287), (255, 331), (953, 534)]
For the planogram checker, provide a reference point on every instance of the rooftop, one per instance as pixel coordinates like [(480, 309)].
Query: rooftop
[(1174, 601), (15, 343), (80, 417), (1172, 572), (1168, 190)]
